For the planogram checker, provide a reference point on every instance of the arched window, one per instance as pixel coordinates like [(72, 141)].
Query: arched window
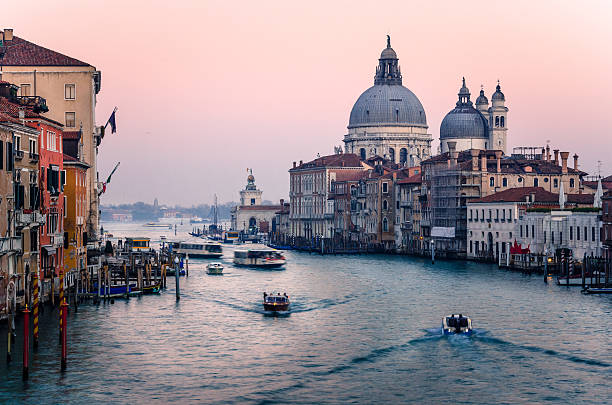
[(362, 153), (385, 205), (536, 182), (392, 154), (403, 156), (492, 181), (505, 182), (571, 183), (385, 225), (496, 121), (396, 115), (501, 122), (252, 223)]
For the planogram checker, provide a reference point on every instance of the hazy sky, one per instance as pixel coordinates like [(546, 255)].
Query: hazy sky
[(206, 89)]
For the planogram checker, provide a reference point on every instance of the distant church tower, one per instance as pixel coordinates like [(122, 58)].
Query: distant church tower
[(498, 120), (250, 195)]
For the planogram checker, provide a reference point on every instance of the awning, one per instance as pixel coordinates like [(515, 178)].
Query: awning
[(49, 249)]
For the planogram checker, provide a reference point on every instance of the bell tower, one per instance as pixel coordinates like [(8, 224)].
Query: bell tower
[(250, 195), (498, 120)]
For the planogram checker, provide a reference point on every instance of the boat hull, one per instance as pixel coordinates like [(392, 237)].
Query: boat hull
[(259, 263), (151, 289), (276, 307), (215, 272), (202, 255)]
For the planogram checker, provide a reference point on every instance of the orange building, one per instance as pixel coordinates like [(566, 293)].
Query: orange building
[(75, 209)]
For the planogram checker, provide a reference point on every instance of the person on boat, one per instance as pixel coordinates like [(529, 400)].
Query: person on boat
[(265, 295)]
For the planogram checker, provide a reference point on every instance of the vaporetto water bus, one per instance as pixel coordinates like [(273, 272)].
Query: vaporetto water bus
[(208, 249), (259, 257)]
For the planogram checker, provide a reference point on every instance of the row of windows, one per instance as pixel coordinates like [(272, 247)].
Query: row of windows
[(536, 182), (25, 90), (474, 215)]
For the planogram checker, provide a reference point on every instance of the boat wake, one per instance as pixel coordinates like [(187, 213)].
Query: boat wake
[(321, 304), (549, 352)]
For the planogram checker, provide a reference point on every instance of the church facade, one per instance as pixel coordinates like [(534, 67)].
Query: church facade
[(482, 127), (251, 216), (388, 120)]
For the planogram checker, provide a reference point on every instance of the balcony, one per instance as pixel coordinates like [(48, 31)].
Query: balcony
[(28, 218), (10, 244), (34, 157), (57, 240), (405, 204), (328, 215), (18, 154), (406, 226), (37, 103)]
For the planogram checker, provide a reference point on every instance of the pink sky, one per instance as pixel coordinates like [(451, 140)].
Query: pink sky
[(207, 89)]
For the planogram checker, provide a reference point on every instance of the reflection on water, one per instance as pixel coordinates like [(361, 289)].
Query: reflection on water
[(360, 329)]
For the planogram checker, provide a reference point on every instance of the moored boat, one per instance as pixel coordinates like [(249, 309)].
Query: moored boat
[(214, 269), (456, 324), (259, 257), (276, 303), (207, 249), (152, 289), (157, 225)]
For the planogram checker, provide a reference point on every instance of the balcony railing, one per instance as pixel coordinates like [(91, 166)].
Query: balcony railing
[(34, 157), (37, 103), (18, 154)]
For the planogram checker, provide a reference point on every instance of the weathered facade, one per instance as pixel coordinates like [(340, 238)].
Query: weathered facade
[(70, 86)]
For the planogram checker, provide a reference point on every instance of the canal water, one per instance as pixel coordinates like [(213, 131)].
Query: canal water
[(362, 329)]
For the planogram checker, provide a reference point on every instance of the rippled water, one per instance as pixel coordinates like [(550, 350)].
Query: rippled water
[(362, 329)]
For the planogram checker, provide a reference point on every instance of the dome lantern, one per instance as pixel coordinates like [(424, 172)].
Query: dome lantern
[(388, 71)]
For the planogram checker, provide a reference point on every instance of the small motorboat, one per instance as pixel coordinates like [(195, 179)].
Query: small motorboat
[(456, 324), (214, 269), (276, 303)]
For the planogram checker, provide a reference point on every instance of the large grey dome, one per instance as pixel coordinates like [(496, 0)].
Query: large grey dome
[(464, 121), (386, 104)]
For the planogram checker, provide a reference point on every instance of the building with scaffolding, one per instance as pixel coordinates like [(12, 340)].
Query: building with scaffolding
[(453, 179)]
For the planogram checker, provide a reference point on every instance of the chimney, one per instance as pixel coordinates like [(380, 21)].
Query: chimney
[(8, 34), (294, 165), (543, 155), (474, 154), (564, 156), (282, 202), (301, 163), (452, 154), (483, 161), (576, 161), (548, 153), (498, 154), (556, 161)]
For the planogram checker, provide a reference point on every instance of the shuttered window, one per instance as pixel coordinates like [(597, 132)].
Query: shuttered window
[(9, 157), (1, 155)]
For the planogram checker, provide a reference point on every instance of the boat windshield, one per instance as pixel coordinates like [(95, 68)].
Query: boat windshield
[(213, 248)]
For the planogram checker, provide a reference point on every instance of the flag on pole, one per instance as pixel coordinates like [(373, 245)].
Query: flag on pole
[(112, 121)]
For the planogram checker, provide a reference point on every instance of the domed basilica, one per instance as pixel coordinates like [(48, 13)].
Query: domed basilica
[(482, 127), (388, 120)]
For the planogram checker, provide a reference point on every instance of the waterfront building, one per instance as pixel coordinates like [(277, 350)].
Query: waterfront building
[(22, 156), (454, 178), (388, 119), (496, 221), (480, 127), (408, 236), (71, 87), (251, 216), (311, 209), (547, 231), (343, 194), (75, 210)]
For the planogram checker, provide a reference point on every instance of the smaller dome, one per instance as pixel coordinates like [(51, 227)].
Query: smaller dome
[(388, 53), (482, 99), (498, 95), (251, 178)]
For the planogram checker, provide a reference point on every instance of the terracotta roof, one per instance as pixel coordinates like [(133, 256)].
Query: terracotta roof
[(7, 118), (337, 160), (12, 109), (414, 179), (68, 158), (20, 52), (520, 194), (349, 175), (541, 196)]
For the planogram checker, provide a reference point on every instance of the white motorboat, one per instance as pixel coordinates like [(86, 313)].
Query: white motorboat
[(456, 324), (208, 249), (259, 257), (214, 268)]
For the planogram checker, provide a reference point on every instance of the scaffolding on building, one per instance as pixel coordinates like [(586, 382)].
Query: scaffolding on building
[(451, 189)]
